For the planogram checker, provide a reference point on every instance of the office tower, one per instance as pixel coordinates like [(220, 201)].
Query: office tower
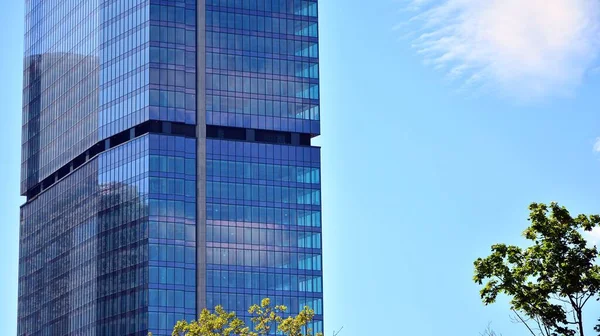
[(167, 162)]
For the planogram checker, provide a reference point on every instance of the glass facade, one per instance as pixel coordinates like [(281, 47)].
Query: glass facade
[(263, 201), (264, 226), (262, 68), (124, 36), (172, 232), (84, 259), (148, 63), (60, 85), (166, 162)]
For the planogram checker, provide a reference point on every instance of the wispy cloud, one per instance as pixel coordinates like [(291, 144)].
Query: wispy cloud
[(597, 145), (527, 48)]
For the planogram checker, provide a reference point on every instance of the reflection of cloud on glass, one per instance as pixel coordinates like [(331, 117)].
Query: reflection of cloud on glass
[(527, 49)]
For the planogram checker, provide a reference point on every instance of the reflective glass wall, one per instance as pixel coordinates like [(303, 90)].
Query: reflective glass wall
[(172, 232), (108, 243), (124, 40), (172, 64), (264, 226), (60, 85), (149, 63), (263, 201), (110, 250), (115, 222), (83, 249), (262, 66)]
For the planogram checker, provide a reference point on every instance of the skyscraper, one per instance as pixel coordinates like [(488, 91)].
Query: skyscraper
[(167, 162)]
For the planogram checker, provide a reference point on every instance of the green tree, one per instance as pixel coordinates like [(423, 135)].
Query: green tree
[(264, 317), (549, 282), (219, 323)]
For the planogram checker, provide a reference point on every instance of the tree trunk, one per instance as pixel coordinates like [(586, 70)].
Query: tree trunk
[(580, 321)]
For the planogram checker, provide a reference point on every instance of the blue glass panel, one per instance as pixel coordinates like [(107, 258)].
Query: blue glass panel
[(264, 226)]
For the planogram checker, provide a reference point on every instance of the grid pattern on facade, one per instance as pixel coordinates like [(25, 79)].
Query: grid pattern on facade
[(262, 67), (123, 251), (263, 202), (263, 226), (149, 63), (109, 241), (95, 68), (124, 66), (173, 60), (172, 232), (60, 85), (83, 258)]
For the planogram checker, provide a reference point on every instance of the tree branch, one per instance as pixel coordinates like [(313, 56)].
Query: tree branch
[(524, 322), (558, 298), (546, 329), (573, 301), (488, 331), (577, 312), (586, 300)]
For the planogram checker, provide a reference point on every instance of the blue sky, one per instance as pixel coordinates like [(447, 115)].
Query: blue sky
[(437, 134)]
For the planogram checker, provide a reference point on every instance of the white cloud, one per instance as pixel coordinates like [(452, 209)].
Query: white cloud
[(593, 237), (526, 48), (597, 145)]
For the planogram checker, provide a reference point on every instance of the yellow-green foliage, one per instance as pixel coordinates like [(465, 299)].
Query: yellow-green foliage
[(265, 317)]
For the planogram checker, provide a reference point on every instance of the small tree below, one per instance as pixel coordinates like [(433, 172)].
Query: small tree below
[(264, 316)]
